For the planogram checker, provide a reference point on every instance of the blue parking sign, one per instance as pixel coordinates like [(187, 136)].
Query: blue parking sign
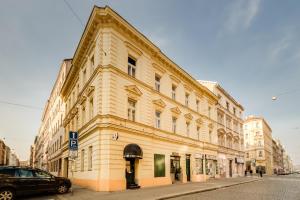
[(73, 140)]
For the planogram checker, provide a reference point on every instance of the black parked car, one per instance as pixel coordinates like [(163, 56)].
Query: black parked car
[(16, 181)]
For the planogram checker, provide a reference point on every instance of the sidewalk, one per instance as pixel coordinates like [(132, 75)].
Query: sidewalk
[(157, 193)]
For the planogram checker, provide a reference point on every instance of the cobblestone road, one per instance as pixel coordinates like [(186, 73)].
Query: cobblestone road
[(271, 188)]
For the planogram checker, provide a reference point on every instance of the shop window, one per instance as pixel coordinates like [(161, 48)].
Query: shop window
[(159, 165), (199, 165)]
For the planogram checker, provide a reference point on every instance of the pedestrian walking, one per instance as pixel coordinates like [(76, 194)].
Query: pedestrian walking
[(260, 173)]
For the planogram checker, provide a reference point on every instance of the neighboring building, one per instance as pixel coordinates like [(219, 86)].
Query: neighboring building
[(24, 163), (258, 145), (287, 163), (13, 160), (230, 132), (32, 156), (278, 150), (2, 153), (49, 140), (7, 155), (142, 120)]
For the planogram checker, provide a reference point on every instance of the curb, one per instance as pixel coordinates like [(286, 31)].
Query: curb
[(203, 190)]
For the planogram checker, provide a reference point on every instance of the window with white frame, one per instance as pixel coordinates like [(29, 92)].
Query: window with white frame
[(174, 92), (187, 99), (174, 121), (157, 82), (131, 66), (187, 128), (91, 109), (90, 158), (82, 160), (197, 105), (157, 119), (131, 109)]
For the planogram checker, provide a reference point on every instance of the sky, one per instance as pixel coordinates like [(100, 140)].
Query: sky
[(250, 47)]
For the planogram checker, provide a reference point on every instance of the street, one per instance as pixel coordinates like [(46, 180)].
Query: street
[(271, 188)]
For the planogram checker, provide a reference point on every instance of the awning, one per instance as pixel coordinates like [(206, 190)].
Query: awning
[(132, 151)]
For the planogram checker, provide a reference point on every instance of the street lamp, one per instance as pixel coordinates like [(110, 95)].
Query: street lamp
[(274, 98)]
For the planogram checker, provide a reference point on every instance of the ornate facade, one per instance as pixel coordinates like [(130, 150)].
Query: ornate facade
[(142, 120), (258, 145)]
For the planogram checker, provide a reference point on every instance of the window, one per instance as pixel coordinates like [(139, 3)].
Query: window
[(131, 109), (259, 143), (209, 111), (7, 172), (197, 105), (247, 155), (83, 76), (41, 174), (260, 154), (157, 82), (198, 132), (227, 105), (174, 92), (174, 120), (90, 157), (187, 128), (234, 111), (131, 66), (210, 138), (199, 165), (157, 119), (82, 160), (60, 141), (92, 63), (257, 125), (24, 173), (187, 99), (91, 109), (159, 165), (83, 116)]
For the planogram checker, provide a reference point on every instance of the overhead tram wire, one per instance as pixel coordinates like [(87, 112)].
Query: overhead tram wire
[(20, 105), (73, 12)]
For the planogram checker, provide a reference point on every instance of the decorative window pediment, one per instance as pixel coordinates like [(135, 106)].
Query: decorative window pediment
[(159, 103), (174, 79), (90, 90), (158, 68), (210, 125), (176, 110), (133, 48), (199, 121), (74, 110), (188, 116), (82, 99), (133, 91), (188, 88)]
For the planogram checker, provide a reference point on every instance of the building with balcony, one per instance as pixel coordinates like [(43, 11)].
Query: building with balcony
[(277, 152), (258, 145), (142, 120), (229, 131)]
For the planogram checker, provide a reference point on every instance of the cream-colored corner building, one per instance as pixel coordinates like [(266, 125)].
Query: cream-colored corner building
[(229, 131), (48, 144), (142, 120), (258, 145)]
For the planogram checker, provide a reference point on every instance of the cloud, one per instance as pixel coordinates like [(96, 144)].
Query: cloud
[(240, 15)]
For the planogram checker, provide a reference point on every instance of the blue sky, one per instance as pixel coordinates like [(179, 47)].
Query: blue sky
[(251, 47)]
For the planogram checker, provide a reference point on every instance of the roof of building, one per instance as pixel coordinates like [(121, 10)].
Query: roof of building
[(252, 117), (223, 91), (108, 11)]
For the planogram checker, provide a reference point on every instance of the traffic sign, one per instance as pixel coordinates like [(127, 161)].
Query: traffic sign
[(73, 140)]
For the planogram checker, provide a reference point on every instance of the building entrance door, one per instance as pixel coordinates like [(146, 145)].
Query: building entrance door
[(188, 168), (130, 173), (230, 168)]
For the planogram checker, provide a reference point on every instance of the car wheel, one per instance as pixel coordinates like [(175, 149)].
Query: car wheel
[(61, 189), (7, 194)]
